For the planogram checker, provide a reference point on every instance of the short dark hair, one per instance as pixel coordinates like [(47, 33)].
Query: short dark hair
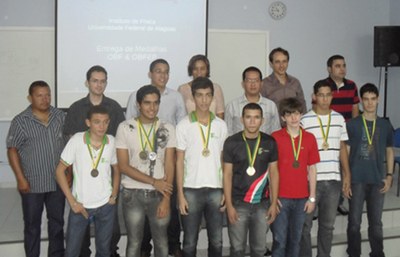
[(319, 84), (37, 83), (195, 59), (278, 50), (202, 83), (97, 109), (147, 90), (289, 106), (333, 58), (96, 68), (252, 106), (157, 61), (369, 88), (251, 68)]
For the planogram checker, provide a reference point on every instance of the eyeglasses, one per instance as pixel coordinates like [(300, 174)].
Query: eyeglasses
[(324, 95)]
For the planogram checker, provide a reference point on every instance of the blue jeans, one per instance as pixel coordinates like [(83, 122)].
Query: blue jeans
[(32, 209), (327, 197), (201, 201), (252, 219), (137, 204), (374, 199), (103, 218), (287, 227)]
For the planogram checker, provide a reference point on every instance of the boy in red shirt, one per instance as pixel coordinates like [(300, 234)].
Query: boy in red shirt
[(297, 156)]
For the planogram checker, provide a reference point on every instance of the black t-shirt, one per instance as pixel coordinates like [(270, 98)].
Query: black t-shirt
[(248, 188)]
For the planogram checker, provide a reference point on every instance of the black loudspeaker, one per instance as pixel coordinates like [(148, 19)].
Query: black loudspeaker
[(386, 46)]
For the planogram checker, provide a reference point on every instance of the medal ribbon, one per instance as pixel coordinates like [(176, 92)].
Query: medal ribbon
[(206, 138), (369, 137), (325, 135), (142, 131), (252, 156), (95, 163), (296, 152)]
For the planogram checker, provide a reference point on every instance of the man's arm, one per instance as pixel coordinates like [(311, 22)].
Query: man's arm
[(227, 179), (355, 111), (312, 182), (116, 179), (160, 185), (273, 190), (346, 175), (15, 163), (183, 205), (169, 165), (61, 178), (389, 167)]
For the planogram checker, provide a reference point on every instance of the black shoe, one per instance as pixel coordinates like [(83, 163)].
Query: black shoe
[(177, 252), (342, 210), (115, 254), (145, 254), (268, 252)]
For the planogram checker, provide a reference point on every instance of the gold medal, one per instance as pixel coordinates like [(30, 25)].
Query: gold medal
[(94, 173), (370, 136), (251, 171), (325, 134), (370, 148), (205, 152), (325, 146), (147, 141)]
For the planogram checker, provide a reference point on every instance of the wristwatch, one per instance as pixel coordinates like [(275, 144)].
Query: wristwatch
[(114, 197), (311, 199)]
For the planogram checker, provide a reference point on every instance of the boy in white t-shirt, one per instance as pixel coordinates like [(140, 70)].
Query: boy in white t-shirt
[(95, 185)]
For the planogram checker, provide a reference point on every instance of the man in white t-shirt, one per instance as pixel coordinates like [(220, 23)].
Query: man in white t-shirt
[(95, 186), (146, 154), (200, 137)]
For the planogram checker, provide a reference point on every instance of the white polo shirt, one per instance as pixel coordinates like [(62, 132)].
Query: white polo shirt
[(201, 171), (91, 191)]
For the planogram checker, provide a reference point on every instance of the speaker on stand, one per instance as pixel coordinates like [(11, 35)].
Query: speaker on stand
[(386, 52)]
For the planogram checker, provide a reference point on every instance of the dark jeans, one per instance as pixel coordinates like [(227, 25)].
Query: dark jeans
[(32, 208), (287, 227), (327, 197), (174, 229), (201, 201), (103, 218), (374, 199)]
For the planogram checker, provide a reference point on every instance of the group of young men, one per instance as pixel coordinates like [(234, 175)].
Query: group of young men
[(268, 162)]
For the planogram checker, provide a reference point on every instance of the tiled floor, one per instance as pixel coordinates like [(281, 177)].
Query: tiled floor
[(11, 223)]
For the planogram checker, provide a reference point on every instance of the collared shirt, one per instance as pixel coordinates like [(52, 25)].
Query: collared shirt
[(77, 113), (172, 108), (274, 90), (39, 147), (344, 97), (201, 171), (91, 191), (233, 114)]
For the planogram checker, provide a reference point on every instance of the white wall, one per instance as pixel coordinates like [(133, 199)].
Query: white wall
[(312, 31)]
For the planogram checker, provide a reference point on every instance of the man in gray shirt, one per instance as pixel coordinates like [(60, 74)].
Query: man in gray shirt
[(233, 112), (280, 85)]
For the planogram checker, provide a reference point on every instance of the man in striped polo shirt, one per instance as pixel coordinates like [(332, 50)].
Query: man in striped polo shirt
[(34, 144), (329, 128), (344, 98)]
